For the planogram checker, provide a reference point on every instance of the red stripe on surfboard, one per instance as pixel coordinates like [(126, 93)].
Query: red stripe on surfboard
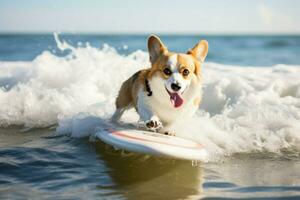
[(114, 132)]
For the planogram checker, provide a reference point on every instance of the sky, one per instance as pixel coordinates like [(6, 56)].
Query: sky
[(151, 16)]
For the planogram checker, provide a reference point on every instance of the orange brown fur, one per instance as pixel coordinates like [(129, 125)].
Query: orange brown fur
[(127, 96), (134, 92)]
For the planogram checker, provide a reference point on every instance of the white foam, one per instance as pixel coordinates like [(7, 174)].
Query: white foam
[(244, 108)]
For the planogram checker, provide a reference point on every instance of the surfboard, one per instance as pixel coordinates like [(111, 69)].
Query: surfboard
[(151, 143)]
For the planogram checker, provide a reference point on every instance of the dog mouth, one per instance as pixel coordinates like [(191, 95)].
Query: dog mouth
[(175, 99)]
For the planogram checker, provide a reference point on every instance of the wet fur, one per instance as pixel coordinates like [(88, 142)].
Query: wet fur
[(155, 109)]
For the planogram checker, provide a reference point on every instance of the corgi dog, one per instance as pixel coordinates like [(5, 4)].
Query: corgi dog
[(168, 91)]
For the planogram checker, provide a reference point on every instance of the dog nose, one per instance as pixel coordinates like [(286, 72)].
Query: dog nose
[(175, 87)]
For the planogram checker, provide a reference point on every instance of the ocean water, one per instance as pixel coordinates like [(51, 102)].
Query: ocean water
[(56, 90)]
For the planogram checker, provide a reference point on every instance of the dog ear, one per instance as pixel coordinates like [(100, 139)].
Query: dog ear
[(200, 50), (155, 48)]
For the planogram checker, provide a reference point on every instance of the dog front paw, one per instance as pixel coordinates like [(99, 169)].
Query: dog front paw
[(153, 124), (167, 131), (171, 133)]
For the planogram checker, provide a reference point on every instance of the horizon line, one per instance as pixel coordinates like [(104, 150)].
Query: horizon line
[(149, 33)]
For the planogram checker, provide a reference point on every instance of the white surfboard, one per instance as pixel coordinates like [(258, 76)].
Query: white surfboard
[(151, 143)]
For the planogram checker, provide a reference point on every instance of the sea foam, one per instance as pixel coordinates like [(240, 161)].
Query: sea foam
[(244, 109)]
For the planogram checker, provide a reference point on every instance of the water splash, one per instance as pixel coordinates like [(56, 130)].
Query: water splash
[(243, 109)]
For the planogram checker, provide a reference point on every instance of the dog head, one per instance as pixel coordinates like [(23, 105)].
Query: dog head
[(175, 74)]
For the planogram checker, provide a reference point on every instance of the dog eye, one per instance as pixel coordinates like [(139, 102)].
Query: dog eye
[(167, 71), (185, 72)]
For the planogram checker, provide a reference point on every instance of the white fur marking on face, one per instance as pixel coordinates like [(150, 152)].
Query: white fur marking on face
[(172, 62), (176, 77)]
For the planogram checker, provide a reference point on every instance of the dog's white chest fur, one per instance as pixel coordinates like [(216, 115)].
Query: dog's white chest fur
[(175, 83), (159, 103)]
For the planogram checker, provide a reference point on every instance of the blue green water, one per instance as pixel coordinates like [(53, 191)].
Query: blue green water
[(236, 50)]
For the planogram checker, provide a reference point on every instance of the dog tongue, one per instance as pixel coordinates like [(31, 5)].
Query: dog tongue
[(176, 100)]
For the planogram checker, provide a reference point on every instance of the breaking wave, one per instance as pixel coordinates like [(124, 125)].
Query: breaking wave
[(244, 109)]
